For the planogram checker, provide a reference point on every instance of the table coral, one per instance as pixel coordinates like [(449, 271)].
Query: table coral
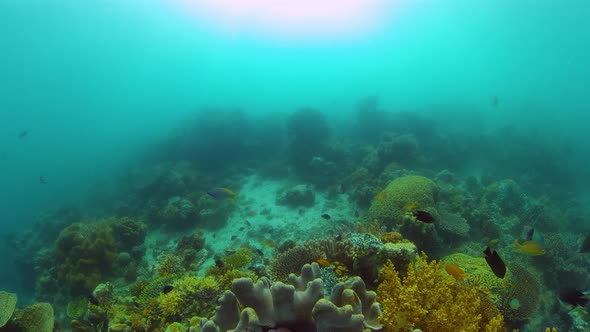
[(429, 300)]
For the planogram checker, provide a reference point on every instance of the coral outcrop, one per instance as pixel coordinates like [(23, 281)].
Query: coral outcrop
[(297, 306), (7, 305), (401, 195), (36, 318)]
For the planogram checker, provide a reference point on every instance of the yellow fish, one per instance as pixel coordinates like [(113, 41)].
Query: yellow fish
[(455, 271), (531, 248), (222, 194), (380, 196), (411, 206)]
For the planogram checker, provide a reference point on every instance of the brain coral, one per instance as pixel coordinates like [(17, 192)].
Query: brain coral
[(391, 204), (524, 287), (478, 274)]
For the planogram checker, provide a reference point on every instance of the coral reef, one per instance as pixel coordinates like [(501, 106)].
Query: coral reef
[(84, 255), (391, 205), (7, 306), (36, 318), (291, 261), (297, 306), (525, 290), (431, 301)]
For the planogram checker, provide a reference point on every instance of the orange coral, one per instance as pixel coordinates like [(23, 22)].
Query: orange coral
[(430, 301)]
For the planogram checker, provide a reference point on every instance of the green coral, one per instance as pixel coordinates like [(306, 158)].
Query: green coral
[(240, 259), (176, 327), (84, 255), (180, 302), (36, 318), (391, 205), (479, 274), (225, 276), (77, 308), (7, 305)]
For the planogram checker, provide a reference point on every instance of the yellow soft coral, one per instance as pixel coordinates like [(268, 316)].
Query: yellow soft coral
[(430, 301)]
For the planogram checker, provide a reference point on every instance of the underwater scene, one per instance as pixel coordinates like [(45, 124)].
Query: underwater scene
[(294, 166)]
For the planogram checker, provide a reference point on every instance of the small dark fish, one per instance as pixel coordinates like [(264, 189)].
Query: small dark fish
[(573, 296), (495, 263), (23, 134), (167, 289), (585, 247), (338, 237), (247, 222), (242, 228), (326, 216), (42, 180), (356, 214), (259, 252), (92, 299), (219, 263), (423, 216), (529, 234), (233, 237), (136, 304)]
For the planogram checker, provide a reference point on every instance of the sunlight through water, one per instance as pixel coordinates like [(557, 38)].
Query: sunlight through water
[(292, 19)]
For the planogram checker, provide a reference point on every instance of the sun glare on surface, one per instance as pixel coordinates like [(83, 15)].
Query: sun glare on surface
[(308, 19)]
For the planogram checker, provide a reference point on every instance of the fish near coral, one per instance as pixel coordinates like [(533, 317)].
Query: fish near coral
[(495, 262), (455, 271), (323, 262), (423, 216), (573, 296), (222, 194), (530, 248)]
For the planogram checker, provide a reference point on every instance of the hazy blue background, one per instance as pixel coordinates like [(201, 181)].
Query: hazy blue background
[(95, 81)]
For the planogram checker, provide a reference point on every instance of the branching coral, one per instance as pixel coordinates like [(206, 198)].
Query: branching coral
[(429, 300)]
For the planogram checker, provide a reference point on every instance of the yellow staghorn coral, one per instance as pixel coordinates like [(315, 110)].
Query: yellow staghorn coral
[(431, 301)]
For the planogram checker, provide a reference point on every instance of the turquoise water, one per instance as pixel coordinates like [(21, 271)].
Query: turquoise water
[(93, 93)]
